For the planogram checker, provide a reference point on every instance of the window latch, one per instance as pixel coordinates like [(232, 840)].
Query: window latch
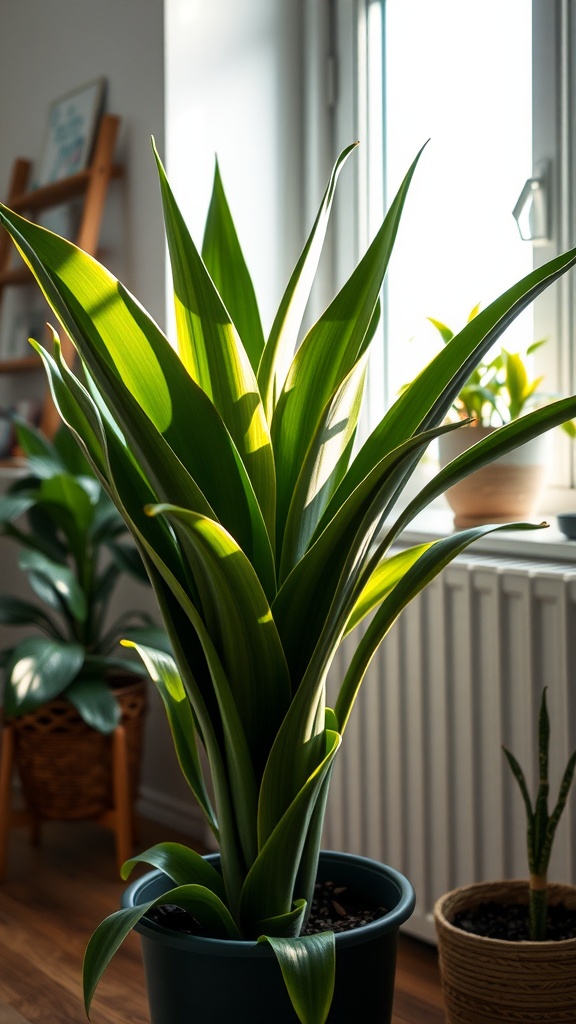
[(531, 210)]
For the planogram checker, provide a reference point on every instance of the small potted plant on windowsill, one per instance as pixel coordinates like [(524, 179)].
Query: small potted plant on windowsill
[(499, 390), (67, 682), (268, 538), (508, 949)]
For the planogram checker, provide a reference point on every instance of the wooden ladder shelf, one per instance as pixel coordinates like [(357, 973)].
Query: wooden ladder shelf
[(91, 184)]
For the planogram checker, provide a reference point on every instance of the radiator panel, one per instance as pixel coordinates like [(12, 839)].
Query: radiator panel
[(421, 781)]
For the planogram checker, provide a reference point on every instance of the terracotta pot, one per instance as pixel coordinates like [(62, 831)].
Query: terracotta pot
[(489, 981), (505, 491), (212, 981)]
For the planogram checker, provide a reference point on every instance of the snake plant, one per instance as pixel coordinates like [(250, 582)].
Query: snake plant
[(541, 826), (266, 532)]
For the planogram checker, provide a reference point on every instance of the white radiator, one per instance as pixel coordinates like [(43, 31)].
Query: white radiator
[(421, 781)]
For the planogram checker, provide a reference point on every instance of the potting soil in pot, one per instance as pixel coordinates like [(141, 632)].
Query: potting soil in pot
[(509, 922), (335, 908)]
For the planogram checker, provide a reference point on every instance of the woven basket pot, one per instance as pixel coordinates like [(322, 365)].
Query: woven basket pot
[(489, 981), (65, 766)]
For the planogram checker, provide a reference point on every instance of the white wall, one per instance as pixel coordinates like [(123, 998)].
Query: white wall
[(46, 49), (234, 74)]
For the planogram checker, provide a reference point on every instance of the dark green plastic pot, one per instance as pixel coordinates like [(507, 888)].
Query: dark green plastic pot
[(193, 980)]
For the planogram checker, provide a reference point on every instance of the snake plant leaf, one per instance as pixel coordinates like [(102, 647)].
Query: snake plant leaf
[(382, 581), (286, 924), (164, 673), (210, 912), (95, 703), (283, 338), (308, 966), (239, 621), (324, 466), (181, 864), (110, 456), (38, 670), (437, 555), (224, 259), (327, 354), (154, 400), (307, 593), (213, 353), (55, 583), (282, 830), (242, 779), (205, 719)]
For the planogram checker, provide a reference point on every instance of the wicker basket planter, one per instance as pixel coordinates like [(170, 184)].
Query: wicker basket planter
[(487, 980), (65, 767)]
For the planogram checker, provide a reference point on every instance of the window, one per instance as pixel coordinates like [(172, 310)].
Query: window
[(490, 84)]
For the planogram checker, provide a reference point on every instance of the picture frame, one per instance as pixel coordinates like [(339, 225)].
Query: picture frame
[(72, 122)]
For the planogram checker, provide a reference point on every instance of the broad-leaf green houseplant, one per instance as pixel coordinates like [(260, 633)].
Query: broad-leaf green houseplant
[(74, 551), (267, 538)]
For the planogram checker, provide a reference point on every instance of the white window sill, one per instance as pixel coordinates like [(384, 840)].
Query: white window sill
[(547, 545)]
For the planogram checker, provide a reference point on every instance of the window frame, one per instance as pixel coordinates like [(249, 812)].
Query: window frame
[(554, 147)]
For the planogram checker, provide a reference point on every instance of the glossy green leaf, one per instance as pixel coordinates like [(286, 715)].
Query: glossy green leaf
[(95, 703), (283, 339), (282, 830), (224, 259), (329, 351), (435, 558), (215, 357), (308, 592), (324, 466), (182, 865), (164, 673), (239, 621), (157, 405), (16, 612), (39, 670), (382, 581), (60, 579), (204, 905), (308, 966)]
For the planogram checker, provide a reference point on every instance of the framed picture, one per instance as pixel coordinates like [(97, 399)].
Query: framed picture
[(72, 123)]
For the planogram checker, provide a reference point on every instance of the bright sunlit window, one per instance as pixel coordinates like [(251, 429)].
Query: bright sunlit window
[(450, 77)]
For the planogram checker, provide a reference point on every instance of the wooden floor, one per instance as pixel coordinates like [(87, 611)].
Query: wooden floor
[(55, 895)]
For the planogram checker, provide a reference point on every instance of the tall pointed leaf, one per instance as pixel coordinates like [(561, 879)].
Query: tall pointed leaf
[(226, 265), (154, 400), (283, 338), (214, 355), (329, 351)]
